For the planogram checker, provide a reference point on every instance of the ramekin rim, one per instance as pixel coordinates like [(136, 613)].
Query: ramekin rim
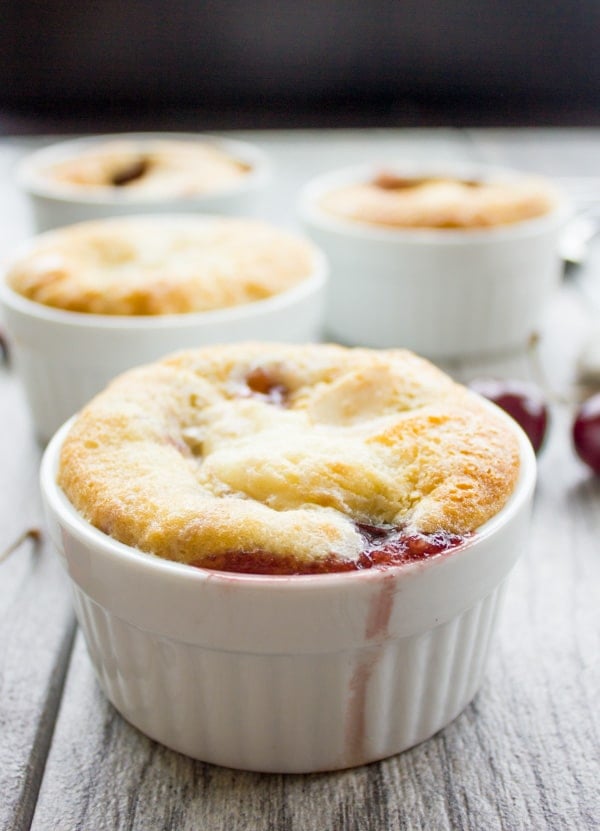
[(28, 167), (311, 214), (230, 314), (96, 540)]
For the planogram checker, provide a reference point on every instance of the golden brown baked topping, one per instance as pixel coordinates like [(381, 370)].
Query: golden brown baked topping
[(437, 202), (154, 266), (148, 169), (299, 455)]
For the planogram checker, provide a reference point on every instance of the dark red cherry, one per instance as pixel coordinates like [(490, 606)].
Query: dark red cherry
[(586, 432), (522, 400)]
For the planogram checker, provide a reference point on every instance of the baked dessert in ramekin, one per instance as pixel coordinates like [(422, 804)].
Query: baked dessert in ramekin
[(288, 558), (83, 303), (137, 173), (450, 261)]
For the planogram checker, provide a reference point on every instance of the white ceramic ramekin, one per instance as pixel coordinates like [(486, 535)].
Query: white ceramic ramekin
[(54, 205), (442, 293), (287, 674), (64, 358)]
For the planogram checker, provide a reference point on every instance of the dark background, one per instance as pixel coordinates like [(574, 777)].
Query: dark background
[(126, 64)]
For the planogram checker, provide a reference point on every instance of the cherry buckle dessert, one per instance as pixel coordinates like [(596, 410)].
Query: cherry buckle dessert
[(289, 460)]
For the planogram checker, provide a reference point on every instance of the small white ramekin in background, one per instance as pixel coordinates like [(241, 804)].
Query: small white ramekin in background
[(64, 358), (54, 205), (443, 293), (288, 674)]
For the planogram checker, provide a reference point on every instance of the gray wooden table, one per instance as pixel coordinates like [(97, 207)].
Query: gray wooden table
[(524, 755)]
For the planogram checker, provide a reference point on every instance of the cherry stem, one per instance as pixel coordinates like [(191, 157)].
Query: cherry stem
[(33, 534), (4, 350), (539, 372)]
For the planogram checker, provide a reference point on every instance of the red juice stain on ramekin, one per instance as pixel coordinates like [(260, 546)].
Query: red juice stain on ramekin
[(383, 548)]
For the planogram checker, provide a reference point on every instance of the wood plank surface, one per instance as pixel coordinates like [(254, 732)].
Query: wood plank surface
[(524, 755), (36, 621)]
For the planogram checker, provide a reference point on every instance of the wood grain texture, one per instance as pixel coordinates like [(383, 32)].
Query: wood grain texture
[(36, 621), (524, 755)]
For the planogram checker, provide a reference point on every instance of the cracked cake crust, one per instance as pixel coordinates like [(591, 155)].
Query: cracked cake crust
[(286, 451), (160, 265)]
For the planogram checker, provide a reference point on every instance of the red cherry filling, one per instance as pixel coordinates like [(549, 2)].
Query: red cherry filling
[(391, 181), (393, 546), (261, 384), (264, 562), (386, 180), (383, 546), (130, 173)]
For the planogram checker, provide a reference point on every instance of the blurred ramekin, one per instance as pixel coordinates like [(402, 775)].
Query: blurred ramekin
[(288, 674), (54, 206), (443, 293), (64, 358)]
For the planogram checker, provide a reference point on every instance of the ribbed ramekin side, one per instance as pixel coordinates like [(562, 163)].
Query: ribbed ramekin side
[(55, 390), (416, 686), (439, 298), (290, 713), (250, 711)]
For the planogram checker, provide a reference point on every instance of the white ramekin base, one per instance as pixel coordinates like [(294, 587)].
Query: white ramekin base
[(257, 712), (443, 293), (54, 390), (439, 300)]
